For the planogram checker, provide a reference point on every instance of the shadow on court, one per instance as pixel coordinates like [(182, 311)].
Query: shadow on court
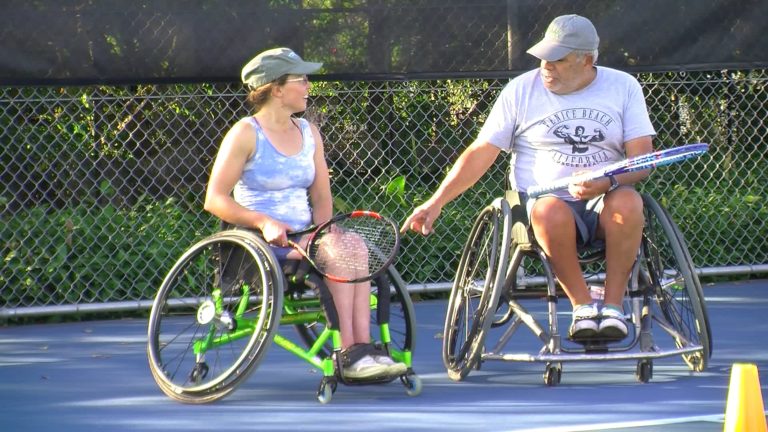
[(94, 377)]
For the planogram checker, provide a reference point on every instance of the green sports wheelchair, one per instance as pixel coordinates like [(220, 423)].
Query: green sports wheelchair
[(492, 298), (222, 305)]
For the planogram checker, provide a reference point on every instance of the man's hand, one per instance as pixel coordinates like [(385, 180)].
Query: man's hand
[(589, 189), (422, 219)]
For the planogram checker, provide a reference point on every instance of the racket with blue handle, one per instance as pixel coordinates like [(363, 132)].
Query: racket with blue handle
[(351, 247), (637, 163)]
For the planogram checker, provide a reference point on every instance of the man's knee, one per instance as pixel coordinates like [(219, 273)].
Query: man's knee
[(551, 215), (623, 207)]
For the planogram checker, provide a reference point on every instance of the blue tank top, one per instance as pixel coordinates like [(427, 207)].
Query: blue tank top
[(276, 184)]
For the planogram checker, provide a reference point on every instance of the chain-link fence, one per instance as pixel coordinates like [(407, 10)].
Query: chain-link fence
[(102, 187)]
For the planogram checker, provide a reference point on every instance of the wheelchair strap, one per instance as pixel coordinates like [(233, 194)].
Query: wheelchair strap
[(382, 297), (359, 350), (316, 283)]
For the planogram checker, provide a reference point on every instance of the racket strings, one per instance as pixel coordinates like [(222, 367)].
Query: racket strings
[(353, 248)]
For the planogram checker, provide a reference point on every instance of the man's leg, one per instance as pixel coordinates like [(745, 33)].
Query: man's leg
[(621, 225), (554, 225)]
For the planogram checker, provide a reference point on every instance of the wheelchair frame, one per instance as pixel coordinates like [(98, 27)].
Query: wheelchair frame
[(663, 289), (219, 308)]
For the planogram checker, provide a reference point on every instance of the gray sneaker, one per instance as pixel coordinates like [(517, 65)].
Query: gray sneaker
[(393, 368), (365, 368), (585, 322), (613, 325)]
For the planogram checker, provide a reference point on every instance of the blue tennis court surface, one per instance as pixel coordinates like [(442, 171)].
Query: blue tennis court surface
[(93, 376)]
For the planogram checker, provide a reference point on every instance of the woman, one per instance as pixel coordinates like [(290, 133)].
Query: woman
[(275, 165)]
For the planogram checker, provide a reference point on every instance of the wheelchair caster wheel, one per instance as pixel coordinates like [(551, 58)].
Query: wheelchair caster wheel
[(326, 390), (552, 375), (199, 372), (412, 384), (644, 371)]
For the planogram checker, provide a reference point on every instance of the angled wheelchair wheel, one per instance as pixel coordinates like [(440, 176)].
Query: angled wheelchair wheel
[(402, 321), (675, 284), (214, 317), (475, 292)]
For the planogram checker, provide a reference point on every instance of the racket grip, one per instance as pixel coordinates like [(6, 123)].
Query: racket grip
[(535, 191), (564, 182)]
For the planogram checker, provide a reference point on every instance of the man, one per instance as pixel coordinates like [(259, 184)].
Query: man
[(540, 118)]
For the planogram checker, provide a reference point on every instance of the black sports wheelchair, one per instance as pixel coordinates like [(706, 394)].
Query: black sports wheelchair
[(493, 296)]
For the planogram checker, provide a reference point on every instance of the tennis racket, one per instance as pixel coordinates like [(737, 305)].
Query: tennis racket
[(351, 247), (637, 163)]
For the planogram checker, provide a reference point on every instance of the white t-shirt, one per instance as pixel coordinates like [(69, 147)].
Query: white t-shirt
[(551, 136)]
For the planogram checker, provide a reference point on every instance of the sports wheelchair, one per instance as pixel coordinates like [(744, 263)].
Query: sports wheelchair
[(220, 307), (492, 289)]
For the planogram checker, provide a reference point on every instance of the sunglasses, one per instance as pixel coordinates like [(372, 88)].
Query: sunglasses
[(303, 80)]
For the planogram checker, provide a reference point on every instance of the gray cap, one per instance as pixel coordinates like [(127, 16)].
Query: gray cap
[(565, 34), (272, 64)]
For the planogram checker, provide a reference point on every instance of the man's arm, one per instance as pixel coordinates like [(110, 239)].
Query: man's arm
[(467, 170), (636, 147), (593, 188)]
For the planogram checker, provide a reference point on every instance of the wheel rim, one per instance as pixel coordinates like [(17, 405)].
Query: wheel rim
[(470, 295), (182, 320), (676, 288)]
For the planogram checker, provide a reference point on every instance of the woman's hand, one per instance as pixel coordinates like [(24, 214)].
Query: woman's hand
[(275, 232)]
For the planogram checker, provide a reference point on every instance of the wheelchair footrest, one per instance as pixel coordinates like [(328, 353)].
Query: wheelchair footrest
[(596, 344), (385, 379)]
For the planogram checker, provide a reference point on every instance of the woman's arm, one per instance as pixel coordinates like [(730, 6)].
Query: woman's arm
[(236, 147), (320, 191)]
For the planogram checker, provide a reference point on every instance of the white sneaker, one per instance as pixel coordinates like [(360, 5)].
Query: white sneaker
[(365, 368), (393, 368), (612, 324), (584, 324)]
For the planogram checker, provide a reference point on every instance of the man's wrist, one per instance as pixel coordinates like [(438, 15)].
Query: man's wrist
[(614, 183)]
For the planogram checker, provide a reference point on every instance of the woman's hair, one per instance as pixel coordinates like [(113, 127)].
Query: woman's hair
[(259, 96)]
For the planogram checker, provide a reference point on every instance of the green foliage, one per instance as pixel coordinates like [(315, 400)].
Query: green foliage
[(732, 219), (92, 253)]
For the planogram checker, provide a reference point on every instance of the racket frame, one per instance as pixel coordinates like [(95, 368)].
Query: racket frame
[(637, 163), (317, 229)]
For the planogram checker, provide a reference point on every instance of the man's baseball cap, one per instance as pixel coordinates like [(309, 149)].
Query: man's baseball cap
[(565, 34), (272, 64)]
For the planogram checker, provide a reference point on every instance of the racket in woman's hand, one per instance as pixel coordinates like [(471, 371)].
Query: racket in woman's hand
[(351, 247)]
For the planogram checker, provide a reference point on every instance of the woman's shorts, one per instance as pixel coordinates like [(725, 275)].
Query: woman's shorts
[(281, 253)]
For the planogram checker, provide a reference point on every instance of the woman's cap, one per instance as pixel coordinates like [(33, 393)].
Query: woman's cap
[(566, 33), (272, 64)]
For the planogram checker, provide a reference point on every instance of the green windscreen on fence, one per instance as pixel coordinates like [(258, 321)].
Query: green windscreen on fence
[(153, 41)]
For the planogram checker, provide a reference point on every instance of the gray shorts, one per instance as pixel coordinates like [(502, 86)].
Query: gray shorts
[(587, 216), (281, 253)]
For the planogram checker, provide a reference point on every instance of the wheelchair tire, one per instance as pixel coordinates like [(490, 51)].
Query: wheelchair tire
[(475, 292), (402, 321), (214, 317), (676, 288)]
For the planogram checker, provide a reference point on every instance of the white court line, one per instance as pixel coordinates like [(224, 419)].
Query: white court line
[(717, 418)]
